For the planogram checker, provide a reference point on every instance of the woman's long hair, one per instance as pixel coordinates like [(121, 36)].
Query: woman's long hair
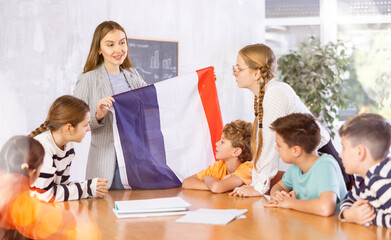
[(94, 58)]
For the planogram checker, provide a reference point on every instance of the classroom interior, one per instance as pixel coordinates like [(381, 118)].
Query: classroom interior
[(44, 45)]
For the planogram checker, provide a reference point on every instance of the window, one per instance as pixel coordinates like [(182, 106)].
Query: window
[(364, 26)]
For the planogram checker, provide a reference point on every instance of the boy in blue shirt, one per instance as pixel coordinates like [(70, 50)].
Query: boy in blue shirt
[(366, 141), (312, 183)]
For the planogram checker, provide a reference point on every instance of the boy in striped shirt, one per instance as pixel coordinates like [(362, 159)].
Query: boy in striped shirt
[(366, 141)]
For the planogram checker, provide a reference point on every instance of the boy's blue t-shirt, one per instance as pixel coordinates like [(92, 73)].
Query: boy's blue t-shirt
[(324, 175)]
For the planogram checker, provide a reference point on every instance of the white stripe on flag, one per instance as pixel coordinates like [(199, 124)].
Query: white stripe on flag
[(188, 151), (119, 153)]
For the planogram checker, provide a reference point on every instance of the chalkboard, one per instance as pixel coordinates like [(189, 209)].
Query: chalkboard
[(155, 60)]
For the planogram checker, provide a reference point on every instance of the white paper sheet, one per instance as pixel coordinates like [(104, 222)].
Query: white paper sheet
[(212, 216)]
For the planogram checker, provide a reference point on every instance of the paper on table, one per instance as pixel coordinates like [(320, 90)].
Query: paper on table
[(151, 205), (147, 214), (212, 216)]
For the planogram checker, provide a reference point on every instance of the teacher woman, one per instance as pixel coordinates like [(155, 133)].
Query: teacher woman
[(108, 71)]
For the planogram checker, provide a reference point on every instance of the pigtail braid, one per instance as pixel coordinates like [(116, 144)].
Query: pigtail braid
[(40, 129), (255, 105), (266, 74), (257, 139), (254, 126)]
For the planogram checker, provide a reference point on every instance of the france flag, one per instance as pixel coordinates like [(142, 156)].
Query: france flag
[(167, 131)]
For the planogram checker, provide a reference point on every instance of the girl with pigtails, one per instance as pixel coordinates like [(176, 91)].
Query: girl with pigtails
[(255, 70), (21, 216), (67, 121), (24, 217)]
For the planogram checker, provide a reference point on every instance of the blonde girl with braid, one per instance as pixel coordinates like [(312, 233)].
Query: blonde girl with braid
[(255, 70), (67, 122)]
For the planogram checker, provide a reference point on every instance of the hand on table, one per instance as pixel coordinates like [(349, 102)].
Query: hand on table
[(101, 187), (245, 191), (360, 212), (281, 199)]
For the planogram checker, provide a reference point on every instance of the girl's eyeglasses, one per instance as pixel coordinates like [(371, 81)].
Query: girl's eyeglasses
[(236, 69)]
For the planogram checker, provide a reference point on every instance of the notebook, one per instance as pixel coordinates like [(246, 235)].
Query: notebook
[(151, 207)]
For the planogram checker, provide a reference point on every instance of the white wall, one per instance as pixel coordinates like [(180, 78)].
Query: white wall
[(44, 45)]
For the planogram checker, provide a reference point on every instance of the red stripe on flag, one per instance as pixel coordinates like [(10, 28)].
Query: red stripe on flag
[(210, 102)]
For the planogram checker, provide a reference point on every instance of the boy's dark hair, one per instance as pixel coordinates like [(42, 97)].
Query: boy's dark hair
[(371, 130), (239, 133), (298, 129)]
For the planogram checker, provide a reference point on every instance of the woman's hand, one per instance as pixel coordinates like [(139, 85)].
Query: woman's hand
[(103, 106)]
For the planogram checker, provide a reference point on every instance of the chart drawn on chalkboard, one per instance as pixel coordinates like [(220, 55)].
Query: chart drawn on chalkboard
[(155, 60)]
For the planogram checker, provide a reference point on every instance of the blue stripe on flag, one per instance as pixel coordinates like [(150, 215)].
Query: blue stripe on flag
[(138, 123)]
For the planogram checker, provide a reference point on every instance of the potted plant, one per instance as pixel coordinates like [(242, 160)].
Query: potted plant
[(315, 73)]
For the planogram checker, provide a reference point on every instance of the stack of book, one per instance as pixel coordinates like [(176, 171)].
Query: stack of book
[(151, 207)]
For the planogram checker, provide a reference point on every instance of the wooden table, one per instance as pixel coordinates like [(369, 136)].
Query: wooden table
[(261, 223)]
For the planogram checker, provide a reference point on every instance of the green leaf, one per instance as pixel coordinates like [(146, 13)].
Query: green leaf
[(314, 71)]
